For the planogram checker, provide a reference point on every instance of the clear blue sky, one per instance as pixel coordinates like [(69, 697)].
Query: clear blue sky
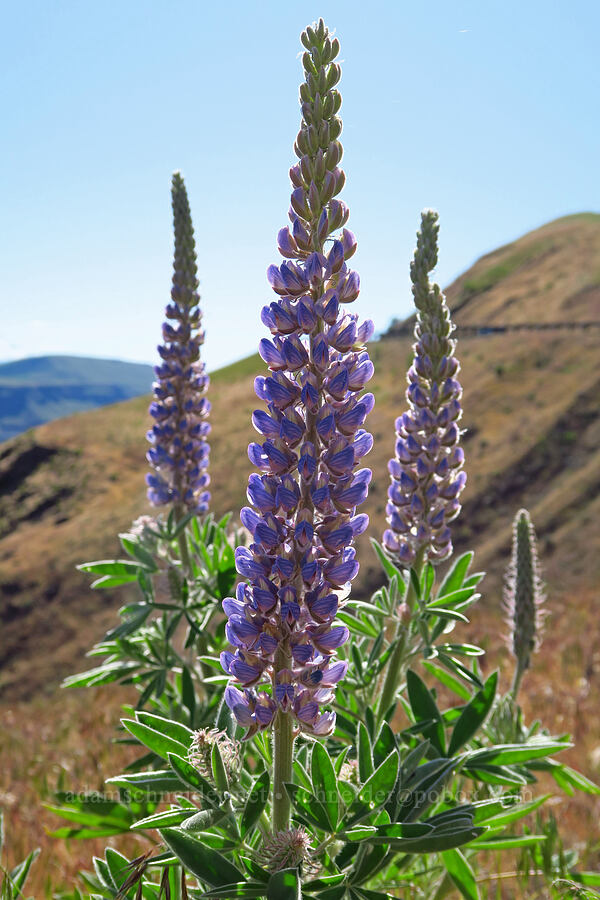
[(487, 111)]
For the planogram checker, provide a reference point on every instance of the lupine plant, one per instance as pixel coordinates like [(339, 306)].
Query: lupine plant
[(325, 762)]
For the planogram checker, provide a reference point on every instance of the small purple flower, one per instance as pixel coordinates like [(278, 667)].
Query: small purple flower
[(303, 499), (179, 451), (427, 476)]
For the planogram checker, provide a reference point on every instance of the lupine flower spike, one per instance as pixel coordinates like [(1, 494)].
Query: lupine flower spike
[(523, 596), (426, 472), (179, 451), (303, 500)]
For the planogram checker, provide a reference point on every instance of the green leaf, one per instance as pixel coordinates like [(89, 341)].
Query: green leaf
[(19, 874), (510, 842), (308, 809), (453, 665), (376, 790), (122, 570), (387, 565), (139, 553), (163, 819), (204, 862), (160, 781), (255, 803), (186, 772), (461, 874), (364, 753), (495, 774), (448, 680), (358, 626), (168, 727), (473, 715), (463, 597), (424, 707), (218, 769), (159, 743), (188, 694), (384, 833), (516, 754), (325, 783), (456, 575), (513, 814), (384, 745), (284, 885), (243, 889), (423, 788)]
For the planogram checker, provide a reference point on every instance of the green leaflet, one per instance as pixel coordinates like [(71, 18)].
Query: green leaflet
[(207, 864), (325, 783), (284, 885), (473, 715), (461, 874)]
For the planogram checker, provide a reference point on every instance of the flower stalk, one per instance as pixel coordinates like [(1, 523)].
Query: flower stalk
[(304, 497), (523, 597), (179, 453)]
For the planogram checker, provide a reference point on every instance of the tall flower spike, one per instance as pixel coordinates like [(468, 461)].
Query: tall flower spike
[(426, 472), (303, 500), (179, 451), (523, 596)]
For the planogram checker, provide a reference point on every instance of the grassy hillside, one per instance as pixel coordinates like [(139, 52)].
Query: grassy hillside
[(43, 388), (531, 409)]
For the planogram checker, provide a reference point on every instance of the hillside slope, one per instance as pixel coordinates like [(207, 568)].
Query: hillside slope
[(531, 410), (42, 388)]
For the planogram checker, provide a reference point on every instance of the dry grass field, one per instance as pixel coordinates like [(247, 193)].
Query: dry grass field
[(532, 413)]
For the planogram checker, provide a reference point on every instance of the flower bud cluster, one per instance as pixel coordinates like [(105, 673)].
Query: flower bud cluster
[(426, 473), (179, 452), (524, 592), (303, 499)]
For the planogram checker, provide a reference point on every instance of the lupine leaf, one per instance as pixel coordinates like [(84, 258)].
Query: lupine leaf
[(284, 885), (325, 783), (167, 817), (384, 745), (159, 781), (511, 754), (191, 777), (473, 715), (447, 680), (159, 743), (424, 707), (175, 730), (511, 841), (206, 863), (456, 574), (461, 874), (255, 803), (242, 889), (364, 753), (308, 808)]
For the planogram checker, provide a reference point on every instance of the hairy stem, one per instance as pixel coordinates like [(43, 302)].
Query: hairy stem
[(283, 750), (396, 665)]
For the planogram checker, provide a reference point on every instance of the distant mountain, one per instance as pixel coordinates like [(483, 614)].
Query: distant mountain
[(43, 388)]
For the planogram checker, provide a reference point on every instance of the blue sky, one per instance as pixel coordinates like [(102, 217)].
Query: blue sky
[(486, 111)]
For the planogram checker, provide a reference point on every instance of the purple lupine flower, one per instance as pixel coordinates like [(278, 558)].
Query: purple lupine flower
[(426, 472), (179, 451), (303, 499)]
